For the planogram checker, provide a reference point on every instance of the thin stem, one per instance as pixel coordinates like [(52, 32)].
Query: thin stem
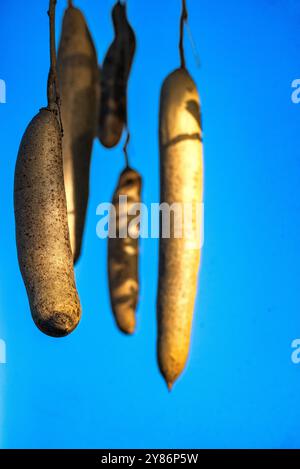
[(194, 46), (125, 148), (52, 80), (127, 58), (53, 85), (183, 20), (70, 3)]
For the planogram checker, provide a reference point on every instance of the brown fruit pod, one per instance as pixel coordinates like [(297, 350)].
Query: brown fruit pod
[(115, 73), (42, 234), (123, 250)]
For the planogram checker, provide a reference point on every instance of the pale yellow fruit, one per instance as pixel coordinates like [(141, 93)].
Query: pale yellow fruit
[(181, 166)]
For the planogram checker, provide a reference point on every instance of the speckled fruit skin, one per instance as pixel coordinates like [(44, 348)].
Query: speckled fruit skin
[(115, 73), (42, 234), (79, 79), (123, 256), (181, 179)]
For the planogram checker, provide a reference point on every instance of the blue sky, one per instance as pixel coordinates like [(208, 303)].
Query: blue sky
[(98, 388)]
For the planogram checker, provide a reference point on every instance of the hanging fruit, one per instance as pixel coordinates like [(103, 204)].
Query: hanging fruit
[(123, 249), (115, 73), (78, 79), (42, 234), (181, 181)]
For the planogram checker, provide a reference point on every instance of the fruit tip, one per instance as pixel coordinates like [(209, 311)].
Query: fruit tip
[(170, 386), (169, 378), (128, 329), (126, 322)]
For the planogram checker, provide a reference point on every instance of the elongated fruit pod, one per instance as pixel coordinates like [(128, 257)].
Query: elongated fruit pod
[(123, 250), (42, 235), (78, 77), (115, 73), (181, 166)]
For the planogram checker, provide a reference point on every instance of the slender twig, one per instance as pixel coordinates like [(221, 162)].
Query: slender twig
[(70, 3), (53, 85), (183, 20), (125, 148), (52, 82)]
